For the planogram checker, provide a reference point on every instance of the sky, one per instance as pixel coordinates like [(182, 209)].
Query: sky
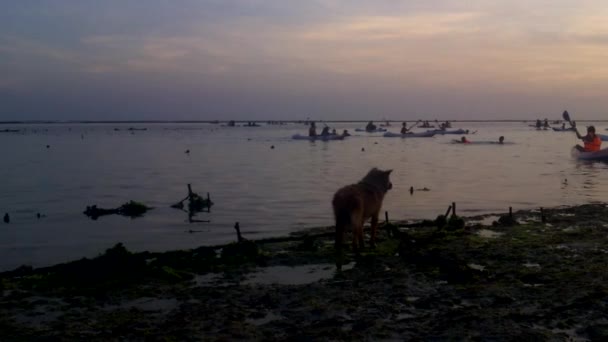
[(292, 60)]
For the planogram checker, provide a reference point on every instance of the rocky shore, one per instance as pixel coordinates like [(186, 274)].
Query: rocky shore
[(524, 280)]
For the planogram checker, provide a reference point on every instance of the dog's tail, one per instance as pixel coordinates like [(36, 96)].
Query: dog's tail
[(344, 205)]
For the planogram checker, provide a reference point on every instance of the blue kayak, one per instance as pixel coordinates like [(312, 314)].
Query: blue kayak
[(409, 135), (318, 137), (569, 129), (371, 131), (597, 155), (456, 131)]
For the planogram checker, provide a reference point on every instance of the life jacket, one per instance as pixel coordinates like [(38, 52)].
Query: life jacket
[(595, 145)]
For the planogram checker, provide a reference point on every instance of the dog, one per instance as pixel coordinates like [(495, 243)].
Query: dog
[(355, 203)]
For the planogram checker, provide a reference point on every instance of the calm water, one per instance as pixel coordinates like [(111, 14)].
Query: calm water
[(270, 192)]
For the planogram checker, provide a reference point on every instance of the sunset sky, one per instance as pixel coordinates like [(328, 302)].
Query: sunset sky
[(287, 59)]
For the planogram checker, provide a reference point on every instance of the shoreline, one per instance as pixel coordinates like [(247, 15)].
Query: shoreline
[(533, 280)]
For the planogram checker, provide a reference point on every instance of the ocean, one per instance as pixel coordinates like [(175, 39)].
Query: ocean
[(269, 191)]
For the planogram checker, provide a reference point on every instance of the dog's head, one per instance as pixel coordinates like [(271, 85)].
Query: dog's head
[(379, 179)]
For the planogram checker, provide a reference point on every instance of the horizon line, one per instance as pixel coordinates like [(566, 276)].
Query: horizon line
[(21, 122)]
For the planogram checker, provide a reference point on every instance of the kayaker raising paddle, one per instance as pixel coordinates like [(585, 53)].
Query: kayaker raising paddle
[(591, 140)]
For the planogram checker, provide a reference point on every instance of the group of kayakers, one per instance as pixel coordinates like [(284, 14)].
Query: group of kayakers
[(443, 125), (312, 131), (542, 124), (592, 142)]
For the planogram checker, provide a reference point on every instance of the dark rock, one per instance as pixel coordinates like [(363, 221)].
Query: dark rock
[(597, 332)]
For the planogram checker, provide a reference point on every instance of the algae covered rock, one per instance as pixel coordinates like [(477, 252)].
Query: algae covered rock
[(240, 252)]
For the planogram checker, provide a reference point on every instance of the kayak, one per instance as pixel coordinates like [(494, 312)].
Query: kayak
[(372, 131), (409, 135), (318, 137), (598, 155), (569, 129), (454, 141), (456, 131)]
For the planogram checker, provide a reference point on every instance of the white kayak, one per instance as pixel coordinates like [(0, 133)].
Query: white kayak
[(456, 131), (569, 129), (318, 137), (409, 135), (598, 155), (371, 131)]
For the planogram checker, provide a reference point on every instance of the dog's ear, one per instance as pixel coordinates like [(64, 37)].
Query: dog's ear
[(388, 172)]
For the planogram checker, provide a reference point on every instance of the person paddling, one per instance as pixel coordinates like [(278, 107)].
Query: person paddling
[(404, 129), (312, 131), (325, 131), (370, 126), (591, 140)]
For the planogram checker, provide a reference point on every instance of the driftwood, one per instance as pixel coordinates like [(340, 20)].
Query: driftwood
[(196, 204), (131, 209)]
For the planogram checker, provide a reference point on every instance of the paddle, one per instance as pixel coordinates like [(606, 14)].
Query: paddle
[(414, 125), (407, 129), (566, 117)]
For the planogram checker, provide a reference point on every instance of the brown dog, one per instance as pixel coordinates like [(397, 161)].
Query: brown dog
[(355, 203)]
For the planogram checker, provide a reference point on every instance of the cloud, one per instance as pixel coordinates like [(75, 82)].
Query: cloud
[(414, 26)]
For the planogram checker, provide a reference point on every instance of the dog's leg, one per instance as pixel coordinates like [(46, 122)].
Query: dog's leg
[(355, 231), (339, 235), (374, 224), (361, 237)]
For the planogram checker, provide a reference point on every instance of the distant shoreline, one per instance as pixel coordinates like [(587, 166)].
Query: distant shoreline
[(52, 122)]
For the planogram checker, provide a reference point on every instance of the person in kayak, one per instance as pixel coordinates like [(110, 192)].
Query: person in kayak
[(591, 140), (345, 133), (464, 140), (312, 131), (501, 140), (370, 126), (325, 131), (404, 129)]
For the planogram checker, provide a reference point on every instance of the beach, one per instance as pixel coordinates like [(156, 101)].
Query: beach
[(542, 277)]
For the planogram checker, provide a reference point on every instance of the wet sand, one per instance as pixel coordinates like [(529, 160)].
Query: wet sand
[(531, 281)]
